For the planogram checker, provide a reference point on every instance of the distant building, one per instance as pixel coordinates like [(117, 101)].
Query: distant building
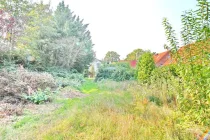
[(189, 52), (162, 59)]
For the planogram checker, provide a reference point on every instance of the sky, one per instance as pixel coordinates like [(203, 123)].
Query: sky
[(125, 25)]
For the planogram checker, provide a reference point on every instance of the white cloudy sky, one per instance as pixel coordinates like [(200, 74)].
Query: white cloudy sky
[(125, 25)]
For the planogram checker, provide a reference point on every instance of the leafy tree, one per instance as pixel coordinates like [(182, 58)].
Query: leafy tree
[(55, 39), (39, 34), (70, 26), (135, 55), (145, 67), (112, 56), (16, 10), (12, 22)]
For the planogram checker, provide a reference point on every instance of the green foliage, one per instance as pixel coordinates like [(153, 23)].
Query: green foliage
[(171, 36), (166, 80), (8, 66), (193, 63), (16, 9), (145, 67), (112, 56), (195, 99), (65, 77), (51, 38), (122, 74), (104, 72), (40, 96), (69, 81), (165, 72), (135, 55), (117, 72), (76, 43), (120, 64)]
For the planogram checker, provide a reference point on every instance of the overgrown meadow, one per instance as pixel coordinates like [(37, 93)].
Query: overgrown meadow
[(51, 90)]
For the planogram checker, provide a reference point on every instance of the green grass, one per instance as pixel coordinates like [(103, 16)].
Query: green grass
[(24, 121), (89, 87), (118, 111)]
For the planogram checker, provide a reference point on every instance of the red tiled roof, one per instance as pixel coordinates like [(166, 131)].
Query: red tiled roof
[(168, 62), (157, 57), (161, 58), (185, 52)]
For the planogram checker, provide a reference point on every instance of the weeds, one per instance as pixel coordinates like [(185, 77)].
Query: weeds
[(121, 111), (40, 96), (119, 115)]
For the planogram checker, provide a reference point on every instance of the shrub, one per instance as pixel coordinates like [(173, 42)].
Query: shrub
[(117, 72), (64, 82), (122, 74), (121, 64), (145, 67), (194, 100), (65, 77), (104, 73), (193, 62), (167, 79), (9, 66), (187, 86)]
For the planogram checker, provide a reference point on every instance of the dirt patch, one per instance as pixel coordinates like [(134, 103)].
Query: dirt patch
[(12, 108), (12, 112), (9, 111), (72, 94)]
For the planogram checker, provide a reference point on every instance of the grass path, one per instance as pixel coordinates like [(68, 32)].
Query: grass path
[(111, 111)]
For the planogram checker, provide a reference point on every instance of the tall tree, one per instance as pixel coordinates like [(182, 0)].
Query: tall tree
[(55, 39), (112, 56), (39, 33), (70, 26)]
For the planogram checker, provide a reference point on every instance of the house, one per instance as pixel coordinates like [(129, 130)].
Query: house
[(186, 53), (162, 59)]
